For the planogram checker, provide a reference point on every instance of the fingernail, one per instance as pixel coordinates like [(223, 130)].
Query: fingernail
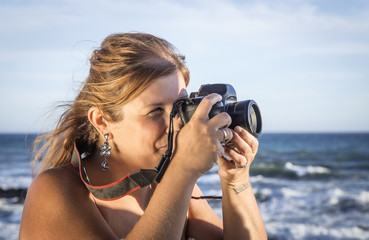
[(238, 129)]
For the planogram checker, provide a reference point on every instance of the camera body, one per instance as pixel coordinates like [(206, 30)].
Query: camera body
[(244, 113)]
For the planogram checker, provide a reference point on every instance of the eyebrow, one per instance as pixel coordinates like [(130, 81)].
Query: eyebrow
[(156, 104)]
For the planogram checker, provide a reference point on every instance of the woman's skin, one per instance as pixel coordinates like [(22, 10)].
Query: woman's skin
[(58, 205)]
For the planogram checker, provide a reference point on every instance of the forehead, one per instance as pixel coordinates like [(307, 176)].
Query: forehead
[(164, 90)]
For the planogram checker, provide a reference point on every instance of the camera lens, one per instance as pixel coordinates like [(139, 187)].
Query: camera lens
[(253, 122), (247, 115)]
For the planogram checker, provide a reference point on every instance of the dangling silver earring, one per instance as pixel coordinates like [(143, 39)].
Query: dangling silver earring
[(105, 152)]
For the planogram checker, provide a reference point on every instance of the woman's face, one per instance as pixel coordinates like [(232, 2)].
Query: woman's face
[(140, 138)]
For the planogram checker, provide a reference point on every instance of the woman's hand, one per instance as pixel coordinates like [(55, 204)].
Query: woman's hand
[(241, 215), (198, 144), (234, 167)]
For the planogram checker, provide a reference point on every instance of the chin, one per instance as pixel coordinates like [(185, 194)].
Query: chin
[(156, 157)]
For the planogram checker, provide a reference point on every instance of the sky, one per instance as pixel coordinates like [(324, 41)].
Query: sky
[(306, 63)]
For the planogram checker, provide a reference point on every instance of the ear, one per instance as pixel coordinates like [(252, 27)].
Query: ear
[(96, 118)]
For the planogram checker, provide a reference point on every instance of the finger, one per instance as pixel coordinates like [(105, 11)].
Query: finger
[(248, 138), (219, 151), (239, 160), (224, 134), (225, 163), (205, 106), (242, 147), (221, 120)]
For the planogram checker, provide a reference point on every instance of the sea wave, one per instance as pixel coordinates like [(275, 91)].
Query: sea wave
[(302, 171), (10, 215), (308, 186), (210, 178), (345, 201), (290, 170), (314, 231), (15, 182), (13, 195), (9, 230)]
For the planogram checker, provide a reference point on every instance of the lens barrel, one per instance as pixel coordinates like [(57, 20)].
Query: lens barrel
[(247, 115), (244, 113)]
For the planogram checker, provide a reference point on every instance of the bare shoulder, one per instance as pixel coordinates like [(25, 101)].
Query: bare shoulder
[(60, 180), (56, 186), (58, 205)]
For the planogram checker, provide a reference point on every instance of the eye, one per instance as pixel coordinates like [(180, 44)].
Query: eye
[(155, 111)]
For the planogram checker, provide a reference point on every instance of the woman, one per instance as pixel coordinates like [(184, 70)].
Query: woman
[(119, 124)]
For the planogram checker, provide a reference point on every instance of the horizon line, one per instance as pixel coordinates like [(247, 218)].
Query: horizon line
[(266, 132)]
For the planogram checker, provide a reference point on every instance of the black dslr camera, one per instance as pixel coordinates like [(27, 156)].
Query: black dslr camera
[(244, 113)]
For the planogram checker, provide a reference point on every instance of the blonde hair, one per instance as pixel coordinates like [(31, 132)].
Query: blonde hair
[(122, 68)]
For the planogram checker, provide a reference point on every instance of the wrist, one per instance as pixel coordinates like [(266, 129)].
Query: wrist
[(180, 170), (240, 177), (236, 186)]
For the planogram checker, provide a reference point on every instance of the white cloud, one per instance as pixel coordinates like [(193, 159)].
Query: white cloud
[(267, 49)]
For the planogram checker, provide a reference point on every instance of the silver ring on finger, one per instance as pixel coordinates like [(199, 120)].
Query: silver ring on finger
[(241, 166), (225, 136)]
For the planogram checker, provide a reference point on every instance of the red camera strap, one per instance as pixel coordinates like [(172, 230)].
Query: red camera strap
[(115, 190), (132, 181)]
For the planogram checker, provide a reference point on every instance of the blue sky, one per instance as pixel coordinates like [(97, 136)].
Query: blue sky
[(306, 63)]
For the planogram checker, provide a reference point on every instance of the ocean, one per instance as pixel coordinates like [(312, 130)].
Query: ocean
[(308, 186)]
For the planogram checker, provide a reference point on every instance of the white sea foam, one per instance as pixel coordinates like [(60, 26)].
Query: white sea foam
[(335, 196), (266, 191), (9, 224), (305, 170), (13, 208), (313, 231), (265, 180), (290, 193), (209, 178), (15, 182), (257, 178), (363, 197), (212, 192), (9, 231)]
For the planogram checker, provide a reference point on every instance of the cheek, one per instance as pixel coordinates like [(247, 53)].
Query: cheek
[(156, 127), (149, 131)]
